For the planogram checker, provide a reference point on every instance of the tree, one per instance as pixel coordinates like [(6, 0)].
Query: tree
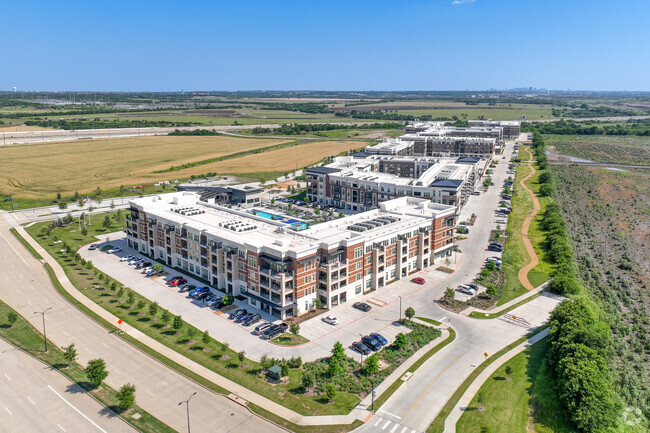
[(491, 290), (372, 365), (401, 341), (157, 267), (307, 381), (191, 332), (120, 292), (242, 357), (166, 317), (58, 195), (140, 305), (63, 205), (284, 372), (177, 324), (96, 371), (126, 396), (334, 368), (97, 192), (107, 222), (449, 293), (330, 392), (508, 370), (80, 203), (12, 317), (130, 298), (70, 353), (338, 351), (205, 339), (112, 204), (153, 309), (84, 231), (294, 328), (409, 313)]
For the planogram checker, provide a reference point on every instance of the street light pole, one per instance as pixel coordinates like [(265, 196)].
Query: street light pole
[(42, 313), (187, 402)]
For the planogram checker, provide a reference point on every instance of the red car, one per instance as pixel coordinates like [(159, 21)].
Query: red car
[(418, 280), (179, 282)]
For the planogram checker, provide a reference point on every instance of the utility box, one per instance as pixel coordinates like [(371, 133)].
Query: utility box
[(274, 373)]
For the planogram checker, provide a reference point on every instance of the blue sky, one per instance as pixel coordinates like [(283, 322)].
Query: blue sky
[(165, 45)]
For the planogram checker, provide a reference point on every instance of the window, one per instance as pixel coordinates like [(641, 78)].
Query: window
[(358, 276), (368, 283), (161, 254), (242, 276), (368, 248), (178, 262), (358, 266), (191, 267), (242, 254), (358, 252), (357, 289), (369, 260), (252, 261), (241, 265)]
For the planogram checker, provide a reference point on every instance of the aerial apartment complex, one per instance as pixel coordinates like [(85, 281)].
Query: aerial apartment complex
[(511, 128), (283, 271), (360, 183)]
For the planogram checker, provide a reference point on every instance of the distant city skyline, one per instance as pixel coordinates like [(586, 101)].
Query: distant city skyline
[(338, 45)]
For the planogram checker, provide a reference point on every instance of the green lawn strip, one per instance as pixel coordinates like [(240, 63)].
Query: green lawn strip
[(26, 244), (289, 339), (26, 338), (478, 315), (433, 322), (249, 376), (339, 428), (505, 402), (395, 385), (438, 424)]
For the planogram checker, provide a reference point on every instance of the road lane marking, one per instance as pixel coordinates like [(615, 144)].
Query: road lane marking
[(59, 425), (15, 251), (378, 421), (432, 383), (403, 430), (78, 411), (7, 377), (390, 414), (394, 428), (32, 401), (8, 411), (386, 425)]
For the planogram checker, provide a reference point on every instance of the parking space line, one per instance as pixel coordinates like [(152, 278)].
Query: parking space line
[(8, 411), (376, 423), (32, 401), (394, 428), (59, 425), (403, 430), (78, 411)]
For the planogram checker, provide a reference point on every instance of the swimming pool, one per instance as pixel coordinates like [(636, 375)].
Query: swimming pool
[(294, 223)]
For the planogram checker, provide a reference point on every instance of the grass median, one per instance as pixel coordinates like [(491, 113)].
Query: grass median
[(26, 338), (438, 424)]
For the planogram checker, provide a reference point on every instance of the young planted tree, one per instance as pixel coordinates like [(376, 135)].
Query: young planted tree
[(409, 313), (372, 365), (330, 392), (508, 371), (177, 324), (401, 341), (12, 317), (130, 298), (106, 223), (205, 339), (126, 396), (70, 353), (96, 372), (140, 305), (294, 328), (307, 381), (120, 292), (338, 351), (153, 309), (450, 293), (165, 317), (242, 357)]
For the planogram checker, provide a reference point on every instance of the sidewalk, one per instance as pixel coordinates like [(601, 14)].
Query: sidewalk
[(238, 392), (466, 399), (508, 304)]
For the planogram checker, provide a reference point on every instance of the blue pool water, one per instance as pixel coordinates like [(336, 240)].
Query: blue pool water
[(294, 223)]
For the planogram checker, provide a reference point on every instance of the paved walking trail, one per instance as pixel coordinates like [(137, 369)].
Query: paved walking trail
[(534, 260)]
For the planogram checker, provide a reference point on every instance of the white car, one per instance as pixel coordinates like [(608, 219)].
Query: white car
[(147, 270), (134, 260), (126, 258), (332, 320), (115, 250), (502, 221), (466, 289)]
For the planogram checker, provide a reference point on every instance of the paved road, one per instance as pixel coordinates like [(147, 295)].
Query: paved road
[(26, 288), (36, 399)]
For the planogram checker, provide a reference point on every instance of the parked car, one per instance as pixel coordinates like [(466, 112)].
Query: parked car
[(473, 287), (135, 261), (92, 247), (379, 338), (467, 290), (178, 282), (275, 330), (362, 306), (114, 250), (126, 258), (203, 295), (243, 318), (237, 313), (259, 329), (253, 319), (496, 248), (371, 342), (476, 193), (147, 270), (418, 280), (332, 320), (187, 288), (502, 221), (361, 348), (196, 292)]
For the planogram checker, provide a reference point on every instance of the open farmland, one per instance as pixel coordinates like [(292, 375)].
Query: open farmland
[(601, 148), (34, 171), (277, 161)]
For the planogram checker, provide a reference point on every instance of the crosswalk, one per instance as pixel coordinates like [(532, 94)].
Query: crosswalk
[(386, 425)]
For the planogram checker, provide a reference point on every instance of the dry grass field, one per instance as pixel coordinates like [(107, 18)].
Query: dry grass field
[(277, 160), (40, 170), (22, 128)]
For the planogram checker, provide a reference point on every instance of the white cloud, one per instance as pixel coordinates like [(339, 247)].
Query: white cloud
[(460, 2)]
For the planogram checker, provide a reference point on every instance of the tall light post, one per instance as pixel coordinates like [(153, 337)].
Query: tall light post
[(187, 402), (42, 313)]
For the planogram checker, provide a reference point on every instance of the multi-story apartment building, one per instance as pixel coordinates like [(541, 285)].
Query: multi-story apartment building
[(281, 271), (511, 128), (359, 184)]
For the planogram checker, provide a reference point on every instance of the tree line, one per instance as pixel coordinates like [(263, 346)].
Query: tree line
[(381, 115), (98, 124), (640, 127)]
